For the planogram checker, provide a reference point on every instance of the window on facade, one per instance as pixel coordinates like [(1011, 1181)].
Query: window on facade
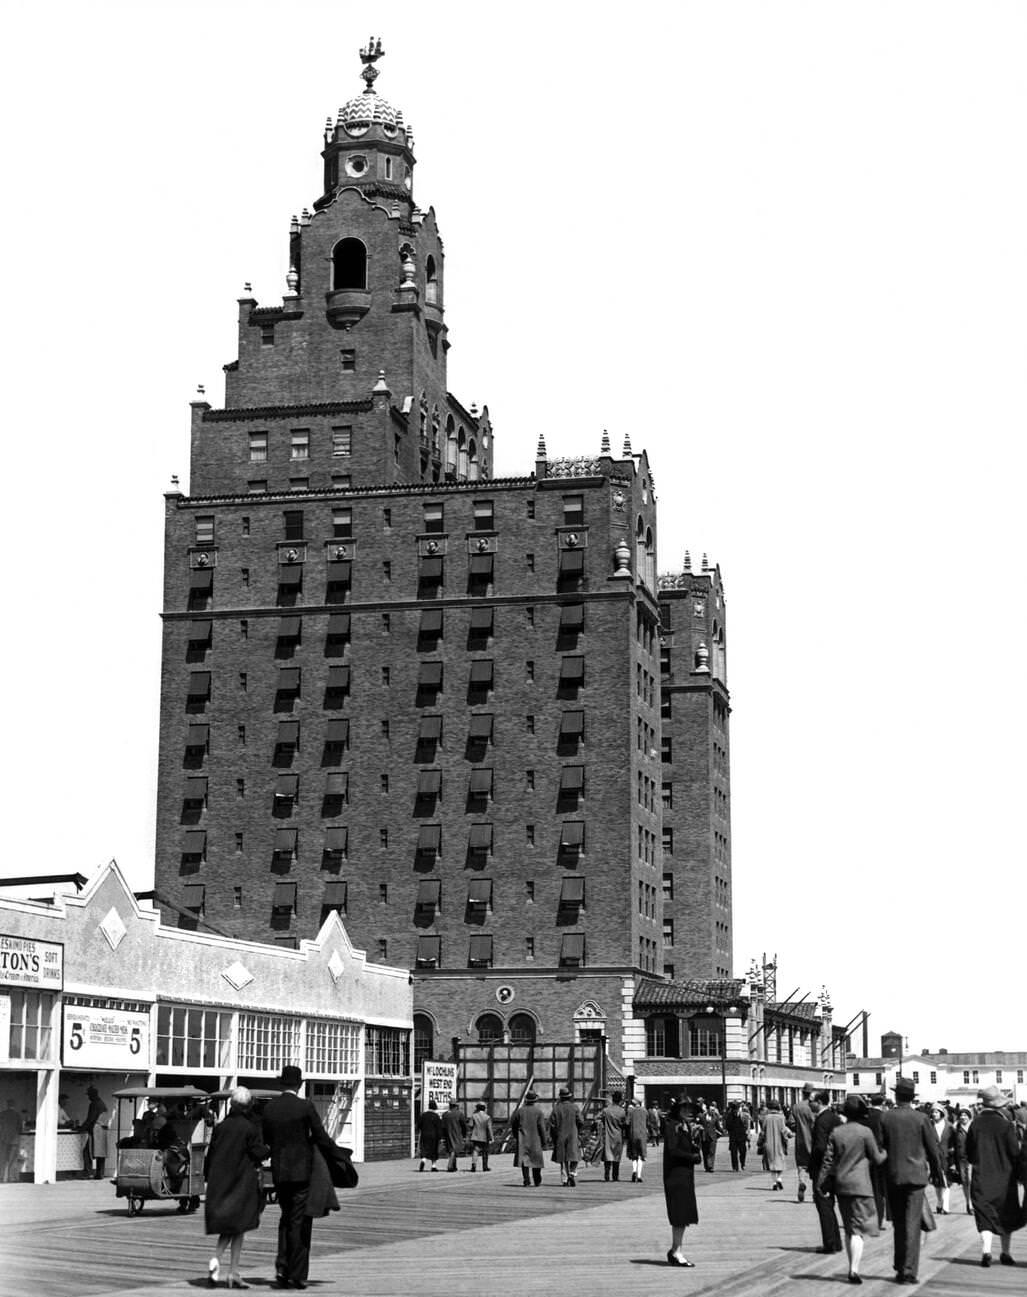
[(572, 675), (386, 1051), (349, 265), (29, 1037), (337, 634), (348, 360), (191, 1037), (429, 786), (480, 678), (333, 1049), (267, 1042), (287, 741), (429, 577), (668, 932), (934, 1078), (196, 742), (668, 887), (285, 794), (703, 1040), (571, 570), (572, 786), (429, 952), (257, 486), (342, 523), (484, 519), (523, 1029), (662, 1037), (258, 447), (336, 794), (194, 847), (479, 787), (434, 519), (200, 634), (489, 1028), (479, 951), (572, 950), (284, 852), (339, 579), (572, 899), (479, 842), (429, 891), (429, 736), (479, 574), (290, 584), (429, 632), (424, 1041), (572, 729), (197, 691), (299, 444), (573, 510), (336, 845), (194, 800), (201, 588), (429, 680), (667, 796), (429, 844), (572, 841), (481, 627), (287, 689), (336, 741), (205, 530), (336, 687), (342, 442)]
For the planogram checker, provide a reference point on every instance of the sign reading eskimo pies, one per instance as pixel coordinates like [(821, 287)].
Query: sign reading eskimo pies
[(101, 1039), (24, 962), (438, 1082)]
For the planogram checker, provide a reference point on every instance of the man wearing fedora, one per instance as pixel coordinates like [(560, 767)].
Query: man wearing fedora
[(292, 1128), (565, 1127), (914, 1159), (801, 1121)]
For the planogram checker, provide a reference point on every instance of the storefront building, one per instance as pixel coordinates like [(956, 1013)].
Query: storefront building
[(95, 991)]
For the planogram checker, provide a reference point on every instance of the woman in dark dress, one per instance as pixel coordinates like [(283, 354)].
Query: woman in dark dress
[(429, 1133), (234, 1199), (682, 1150), (993, 1152)]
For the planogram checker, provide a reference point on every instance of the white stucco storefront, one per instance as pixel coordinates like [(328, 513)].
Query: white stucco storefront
[(96, 991)]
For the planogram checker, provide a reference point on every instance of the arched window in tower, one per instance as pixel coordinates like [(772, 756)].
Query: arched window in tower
[(650, 559), (431, 282), (640, 548), (489, 1028), (472, 460), (424, 1040), (349, 265), (422, 412), (436, 423), (461, 455), (451, 450), (522, 1029)]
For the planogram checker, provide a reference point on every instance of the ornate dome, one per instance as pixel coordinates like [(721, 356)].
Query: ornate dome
[(369, 108)]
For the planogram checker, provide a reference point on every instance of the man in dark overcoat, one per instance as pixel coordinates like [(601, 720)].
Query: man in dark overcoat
[(292, 1129), (801, 1121), (874, 1118), (454, 1131), (913, 1159), (824, 1121), (565, 1127)]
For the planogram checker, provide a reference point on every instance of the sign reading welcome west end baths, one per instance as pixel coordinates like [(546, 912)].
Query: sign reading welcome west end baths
[(438, 1083), (37, 964), (97, 1038)]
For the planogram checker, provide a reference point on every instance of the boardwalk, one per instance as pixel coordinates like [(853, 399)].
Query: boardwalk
[(401, 1233)]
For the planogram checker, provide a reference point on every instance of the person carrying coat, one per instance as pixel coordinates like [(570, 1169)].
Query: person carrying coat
[(611, 1131), (454, 1132), (681, 1152), (913, 1159), (565, 1126), (429, 1135), (528, 1127), (292, 1130), (993, 1151), (845, 1171), (234, 1199)]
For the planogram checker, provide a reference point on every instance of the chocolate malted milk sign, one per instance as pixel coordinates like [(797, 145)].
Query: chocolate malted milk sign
[(37, 964)]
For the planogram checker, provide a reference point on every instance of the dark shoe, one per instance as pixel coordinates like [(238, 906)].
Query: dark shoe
[(1005, 1259), (986, 1259), (571, 1182), (673, 1260), (854, 1278), (802, 1192)]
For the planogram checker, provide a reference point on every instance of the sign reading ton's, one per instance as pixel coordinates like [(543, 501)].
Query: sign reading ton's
[(38, 964)]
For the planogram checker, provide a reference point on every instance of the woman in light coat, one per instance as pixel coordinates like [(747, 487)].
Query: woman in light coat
[(773, 1143)]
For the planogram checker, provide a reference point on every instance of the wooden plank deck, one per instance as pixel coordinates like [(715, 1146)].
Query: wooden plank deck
[(401, 1234)]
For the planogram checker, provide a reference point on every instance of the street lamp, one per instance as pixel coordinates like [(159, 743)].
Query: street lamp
[(713, 1011)]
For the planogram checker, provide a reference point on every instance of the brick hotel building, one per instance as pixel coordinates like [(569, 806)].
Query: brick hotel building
[(461, 710)]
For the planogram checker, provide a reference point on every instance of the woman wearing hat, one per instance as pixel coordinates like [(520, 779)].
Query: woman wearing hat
[(845, 1171), (681, 1151), (234, 1197), (993, 1152), (772, 1143)]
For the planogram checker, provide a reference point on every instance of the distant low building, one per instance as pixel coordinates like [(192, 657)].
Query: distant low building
[(954, 1078)]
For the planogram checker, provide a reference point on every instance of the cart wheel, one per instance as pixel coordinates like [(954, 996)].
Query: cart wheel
[(135, 1205)]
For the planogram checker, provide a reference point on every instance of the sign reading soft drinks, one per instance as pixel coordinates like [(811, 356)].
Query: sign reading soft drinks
[(106, 1038), (24, 962), (438, 1082)]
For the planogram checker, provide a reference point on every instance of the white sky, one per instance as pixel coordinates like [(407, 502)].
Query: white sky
[(781, 245)]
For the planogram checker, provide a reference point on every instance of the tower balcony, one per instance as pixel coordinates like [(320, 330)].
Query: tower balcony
[(346, 306)]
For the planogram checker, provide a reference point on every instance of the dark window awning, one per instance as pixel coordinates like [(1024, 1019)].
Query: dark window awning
[(196, 789), (289, 627), (338, 678), (428, 891), (480, 725), (430, 728), (429, 951), (480, 565), (572, 616), (572, 723), (287, 785), (290, 574), (572, 948), (199, 684), (479, 891), (284, 897), (285, 842), (481, 671), (338, 625), (480, 781), (201, 578), (340, 571), (572, 833), (428, 783), (431, 621), (430, 569), (288, 680), (337, 732), (429, 839), (201, 631), (288, 733), (572, 891), (336, 784), (197, 736), (572, 562), (336, 839), (480, 951), (194, 896), (335, 894), (572, 779), (480, 837), (482, 619), (572, 669), (195, 842), (430, 675)]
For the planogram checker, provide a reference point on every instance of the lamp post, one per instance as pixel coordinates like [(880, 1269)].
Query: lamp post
[(713, 1012)]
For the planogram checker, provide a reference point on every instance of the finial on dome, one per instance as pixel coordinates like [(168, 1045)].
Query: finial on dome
[(294, 225), (705, 563), (292, 280), (688, 561), (381, 385), (604, 448), (540, 453), (626, 452), (369, 56)]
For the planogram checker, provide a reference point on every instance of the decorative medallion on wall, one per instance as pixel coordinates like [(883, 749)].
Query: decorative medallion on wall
[(113, 928), (203, 558), (505, 994), (237, 975), (335, 966)]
